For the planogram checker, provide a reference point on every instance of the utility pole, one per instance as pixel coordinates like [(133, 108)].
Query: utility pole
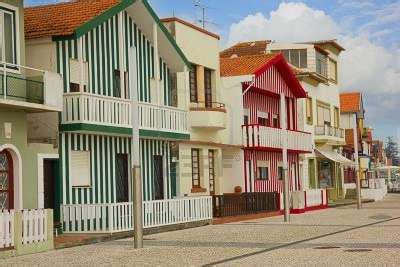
[(358, 186), (286, 190), (203, 10), (135, 155)]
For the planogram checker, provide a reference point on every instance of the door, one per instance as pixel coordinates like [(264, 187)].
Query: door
[(6, 181), (51, 184), (211, 170), (121, 182), (158, 177)]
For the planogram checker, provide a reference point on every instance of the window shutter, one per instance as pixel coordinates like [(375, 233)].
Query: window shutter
[(80, 168), (75, 72)]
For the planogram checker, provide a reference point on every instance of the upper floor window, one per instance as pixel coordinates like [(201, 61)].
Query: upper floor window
[(333, 70), (262, 170), (309, 111), (120, 87), (321, 63), (8, 36), (193, 84), (336, 117), (323, 114), (208, 87), (263, 118), (296, 57), (275, 121)]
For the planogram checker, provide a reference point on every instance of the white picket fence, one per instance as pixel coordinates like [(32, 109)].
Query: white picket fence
[(6, 228), (315, 198), (118, 217), (34, 226)]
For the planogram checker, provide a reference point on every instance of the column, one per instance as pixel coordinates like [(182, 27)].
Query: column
[(200, 85)]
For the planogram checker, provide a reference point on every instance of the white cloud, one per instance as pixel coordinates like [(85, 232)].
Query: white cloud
[(366, 65)]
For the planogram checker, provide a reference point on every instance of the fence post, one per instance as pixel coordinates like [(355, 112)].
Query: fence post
[(50, 228)]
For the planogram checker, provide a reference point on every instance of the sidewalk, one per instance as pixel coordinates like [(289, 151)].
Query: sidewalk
[(346, 202)]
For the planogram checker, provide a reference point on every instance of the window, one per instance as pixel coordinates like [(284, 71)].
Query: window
[(309, 111), (80, 168), (321, 63), (8, 36), (323, 114), (275, 121), (296, 57), (195, 167), (208, 88), (193, 84), (174, 89), (211, 170), (281, 172), (263, 118), (246, 117), (263, 170), (333, 70), (336, 117), (75, 75), (118, 86)]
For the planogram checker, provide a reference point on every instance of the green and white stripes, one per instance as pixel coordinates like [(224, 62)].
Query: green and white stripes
[(148, 149), (103, 150), (106, 48)]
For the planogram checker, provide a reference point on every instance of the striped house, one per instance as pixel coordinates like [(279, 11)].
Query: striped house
[(268, 92), (119, 65)]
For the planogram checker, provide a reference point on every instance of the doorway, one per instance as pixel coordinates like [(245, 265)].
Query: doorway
[(122, 183), (207, 88), (211, 170), (6, 181), (158, 177)]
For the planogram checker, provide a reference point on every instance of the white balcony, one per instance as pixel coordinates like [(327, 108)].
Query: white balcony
[(162, 118), (96, 109), (211, 116), (328, 134), (30, 89), (262, 137)]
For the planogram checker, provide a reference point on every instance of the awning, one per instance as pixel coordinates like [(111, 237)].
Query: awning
[(336, 157)]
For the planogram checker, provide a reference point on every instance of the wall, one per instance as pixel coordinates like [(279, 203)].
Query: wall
[(233, 170), (28, 153), (41, 54), (347, 120)]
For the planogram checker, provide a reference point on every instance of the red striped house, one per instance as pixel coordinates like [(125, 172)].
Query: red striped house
[(270, 138)]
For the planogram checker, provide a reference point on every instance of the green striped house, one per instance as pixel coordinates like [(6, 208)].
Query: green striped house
[(119, 67)]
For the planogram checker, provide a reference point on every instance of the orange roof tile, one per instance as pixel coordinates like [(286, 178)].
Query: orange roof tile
[(349, 137), (64, 18), (246, 49), (245, 65), (350, 102), (166, 20)]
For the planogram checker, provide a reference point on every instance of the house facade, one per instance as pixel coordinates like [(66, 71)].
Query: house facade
[(316, 66), (263, 91), (117, 61), (27, 95)]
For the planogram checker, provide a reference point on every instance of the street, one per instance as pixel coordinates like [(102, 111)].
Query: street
[(333, 237)]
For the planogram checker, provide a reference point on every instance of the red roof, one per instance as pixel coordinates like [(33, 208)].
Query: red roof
[(64, 18), (350, 102), (191, 25), (246, 49), (258, 64)]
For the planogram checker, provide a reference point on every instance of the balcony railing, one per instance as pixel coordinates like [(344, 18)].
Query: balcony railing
[(30, 85), (329, 131), (96, 109), (208, 105), (258, 136), (162, 118)]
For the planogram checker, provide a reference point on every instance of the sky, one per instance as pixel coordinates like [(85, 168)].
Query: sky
[(369, 30)]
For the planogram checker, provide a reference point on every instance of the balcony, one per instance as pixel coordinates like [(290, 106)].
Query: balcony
[(92, 109), (162, 118), (262, 137), (330, 135), (29, 89), (211, 116)]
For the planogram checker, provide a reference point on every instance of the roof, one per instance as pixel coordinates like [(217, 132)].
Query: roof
[(245, 65), (350, 102), (64, 18), (332, 42), (246, 49), (191, 25)]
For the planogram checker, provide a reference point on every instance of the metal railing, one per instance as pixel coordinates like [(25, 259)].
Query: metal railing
[(327, 130), (21, 83), (208, 105)]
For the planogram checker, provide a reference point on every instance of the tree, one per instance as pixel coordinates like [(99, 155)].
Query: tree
[(392, 150)]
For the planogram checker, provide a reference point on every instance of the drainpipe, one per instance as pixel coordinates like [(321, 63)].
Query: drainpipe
[(358, 187), (286, 193)]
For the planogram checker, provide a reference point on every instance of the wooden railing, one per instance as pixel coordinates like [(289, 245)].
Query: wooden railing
[(162, 118), (245, 203), (96, 109), (175, 211), (258, 136), (6, 228), (118, 217), (34, 226), (329, 131)]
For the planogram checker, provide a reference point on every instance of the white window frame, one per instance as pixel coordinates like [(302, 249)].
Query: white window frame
[(78, 184), (16, 33), (263, 164)]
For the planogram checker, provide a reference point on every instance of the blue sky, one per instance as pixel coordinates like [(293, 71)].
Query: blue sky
[(369, 30)]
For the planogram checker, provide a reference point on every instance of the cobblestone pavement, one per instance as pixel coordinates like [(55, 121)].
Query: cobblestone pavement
[(334, 237)]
